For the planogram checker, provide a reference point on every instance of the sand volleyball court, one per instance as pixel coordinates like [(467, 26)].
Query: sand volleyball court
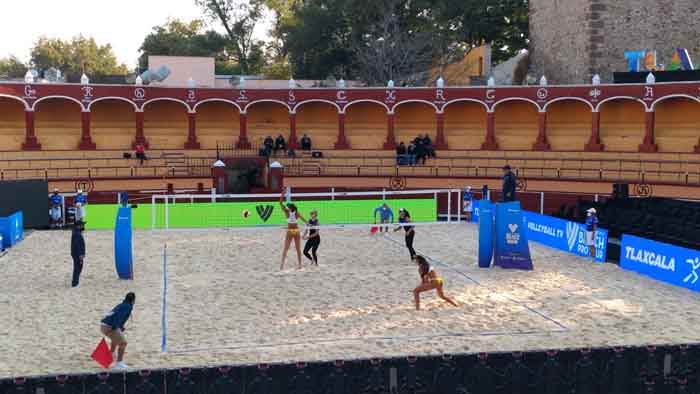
[(228, 303)]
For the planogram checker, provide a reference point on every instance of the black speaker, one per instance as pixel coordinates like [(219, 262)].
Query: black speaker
[(317, 154), (621, 190), (127, 155)]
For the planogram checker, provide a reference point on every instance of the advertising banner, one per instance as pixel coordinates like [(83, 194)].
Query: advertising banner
[(564, 235), (512, 250), (663, 262), (123, 258)]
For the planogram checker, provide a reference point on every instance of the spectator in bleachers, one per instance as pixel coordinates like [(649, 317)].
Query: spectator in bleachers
[(56, 212), (305, 142), (141, 152), (509, 184), (280, 144), (401, 154), (411, 154), (428, 144), (291, 153), (268, 145), (420, 151)]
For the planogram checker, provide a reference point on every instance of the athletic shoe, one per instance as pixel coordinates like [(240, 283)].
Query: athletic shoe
[(121, 365)]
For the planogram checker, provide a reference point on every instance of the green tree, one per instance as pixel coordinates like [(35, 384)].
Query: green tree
[(76, 56), (345, 37), (178, 38), (12, 67), (279, 69), (238, 18)]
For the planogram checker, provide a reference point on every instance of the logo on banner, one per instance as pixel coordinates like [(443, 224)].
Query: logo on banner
[(571, 235), (695, 263), (651, 258), (264, 212), (513, 237)]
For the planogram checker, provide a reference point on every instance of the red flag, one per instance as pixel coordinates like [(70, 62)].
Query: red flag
[(374, 229), (102, 354)]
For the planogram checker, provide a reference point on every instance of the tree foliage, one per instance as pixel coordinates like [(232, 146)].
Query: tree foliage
[(238, 18), (360, 38), (75, 56), (178, 38), (12, 67)]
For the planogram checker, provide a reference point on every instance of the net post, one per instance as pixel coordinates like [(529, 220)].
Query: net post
[(449, 206), (541, 203), (459, 205), (213, 194), (153, 212), (167, 218)]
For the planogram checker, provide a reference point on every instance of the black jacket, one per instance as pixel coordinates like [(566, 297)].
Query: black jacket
[(77, 244), (509, 185)]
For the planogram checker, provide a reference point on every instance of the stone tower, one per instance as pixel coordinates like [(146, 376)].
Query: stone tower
[(571, 40)]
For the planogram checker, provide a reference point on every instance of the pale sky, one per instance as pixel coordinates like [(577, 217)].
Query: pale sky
[(123, 23)]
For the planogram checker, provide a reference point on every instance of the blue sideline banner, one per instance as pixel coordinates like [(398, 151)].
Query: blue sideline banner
[(485, 232), (512, 250), (123, 258), (667, 263), (565, 235)]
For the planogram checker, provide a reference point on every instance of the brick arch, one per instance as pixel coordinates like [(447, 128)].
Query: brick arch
[(218, 121), (622, 123), (516, 124), (465, 124), (366, 124), (12, 122), (413, 118), (318, 120), (267, 117), (58, 122), (165, 123), (568, 124), (677, 124), (112, 123)]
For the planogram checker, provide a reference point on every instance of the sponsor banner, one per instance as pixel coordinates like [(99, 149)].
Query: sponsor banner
[(565, 235), (485, 232), (663, 262), (512, 250)]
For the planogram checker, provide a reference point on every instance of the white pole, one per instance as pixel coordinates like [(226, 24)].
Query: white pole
[(213, 194), (384, 195), (449, 206), (488, 194), (153, 212), (596, 197), (63, 211), (459, 205), (289, 194), (541, 203), (332, 193), (167, 218)]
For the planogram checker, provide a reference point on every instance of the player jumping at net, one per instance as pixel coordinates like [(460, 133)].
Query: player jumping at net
[(404, 218), (429, 281), (312, 237), (293, 232)]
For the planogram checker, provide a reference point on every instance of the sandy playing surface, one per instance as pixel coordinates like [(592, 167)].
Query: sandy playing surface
[(228, 303)]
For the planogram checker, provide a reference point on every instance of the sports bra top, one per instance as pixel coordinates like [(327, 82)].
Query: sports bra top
[(292, 219)]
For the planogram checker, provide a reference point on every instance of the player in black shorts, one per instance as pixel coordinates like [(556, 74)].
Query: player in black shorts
[(313, 238), (405, 217)]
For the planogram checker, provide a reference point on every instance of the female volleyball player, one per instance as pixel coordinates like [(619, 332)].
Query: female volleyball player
[(312, 237), (405, 217), (429, 281), (293, 233)]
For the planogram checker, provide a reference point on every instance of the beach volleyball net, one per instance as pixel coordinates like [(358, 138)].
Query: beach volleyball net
[(345, 209)]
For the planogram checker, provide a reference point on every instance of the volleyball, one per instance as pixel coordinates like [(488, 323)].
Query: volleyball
[(245, 213)]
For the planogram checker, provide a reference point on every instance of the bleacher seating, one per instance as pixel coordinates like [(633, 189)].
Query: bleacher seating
[(666, 220)]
